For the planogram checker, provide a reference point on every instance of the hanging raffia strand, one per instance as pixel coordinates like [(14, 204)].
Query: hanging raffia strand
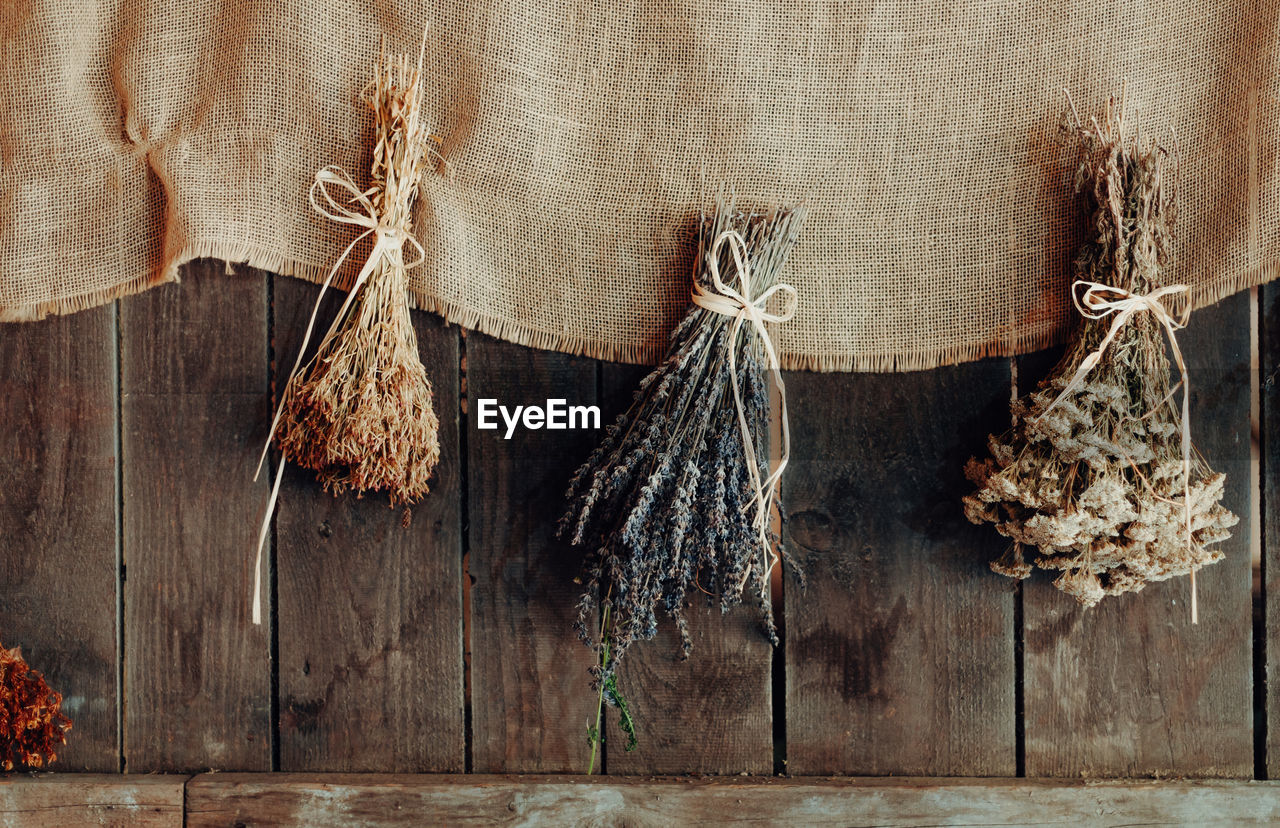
[(1098, 472), (679, 497), (32, 726), (359, 413)]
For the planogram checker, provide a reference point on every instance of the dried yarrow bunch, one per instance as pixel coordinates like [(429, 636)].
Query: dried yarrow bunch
[(360, 413), (1098, 473), (670, 502), (31, 722)]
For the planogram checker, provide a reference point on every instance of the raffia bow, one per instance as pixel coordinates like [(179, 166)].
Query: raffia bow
[(1099, 301), (743, 308)]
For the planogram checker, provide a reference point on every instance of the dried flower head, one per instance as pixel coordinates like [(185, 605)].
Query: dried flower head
[(1095, 480), (31, 722)]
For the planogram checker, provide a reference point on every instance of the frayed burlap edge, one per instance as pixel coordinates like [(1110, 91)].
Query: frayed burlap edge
[(511, 331)]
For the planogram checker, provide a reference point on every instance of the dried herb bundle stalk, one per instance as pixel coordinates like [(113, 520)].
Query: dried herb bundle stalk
[(31, 722), (360, 413), (1095, 480), (665, 505)]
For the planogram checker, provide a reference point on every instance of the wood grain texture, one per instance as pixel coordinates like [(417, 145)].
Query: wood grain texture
[(1131, 687), (1269, 393), (63, 801), (712, 713), (530, 690), (195, 408), (900, 652), (225, 800), (58, 572), (370, 611)]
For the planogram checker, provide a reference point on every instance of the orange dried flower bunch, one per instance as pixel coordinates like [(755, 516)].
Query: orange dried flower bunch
[(31, 720)]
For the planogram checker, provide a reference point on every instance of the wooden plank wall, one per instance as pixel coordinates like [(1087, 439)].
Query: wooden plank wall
[(194, 395), (529, 700), (59, 572), (443, 643), (901, 629), (1132, 688), (367, 608)]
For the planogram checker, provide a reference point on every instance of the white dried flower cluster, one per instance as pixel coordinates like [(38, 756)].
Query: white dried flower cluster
[(1099, 494), (1094, 479)]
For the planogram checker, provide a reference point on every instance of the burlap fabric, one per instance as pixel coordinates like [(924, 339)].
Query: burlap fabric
[(581, 137)]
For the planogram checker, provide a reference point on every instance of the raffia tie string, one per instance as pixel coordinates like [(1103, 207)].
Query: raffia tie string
[(743, 308), (1100, 301), (388, 240)]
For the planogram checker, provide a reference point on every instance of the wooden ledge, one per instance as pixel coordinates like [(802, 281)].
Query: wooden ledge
[(55, 800), (288, 799)]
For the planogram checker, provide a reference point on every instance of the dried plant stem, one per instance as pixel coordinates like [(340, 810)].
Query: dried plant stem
[(597, 733)]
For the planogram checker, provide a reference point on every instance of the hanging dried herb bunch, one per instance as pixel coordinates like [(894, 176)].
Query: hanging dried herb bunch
[(360, 413), (31, 722), (1098, 472), (678, 496)]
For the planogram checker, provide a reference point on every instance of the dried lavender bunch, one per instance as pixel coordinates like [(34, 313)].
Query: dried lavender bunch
[(1091, 473), (360, 412), (32, 726), (666, 503)]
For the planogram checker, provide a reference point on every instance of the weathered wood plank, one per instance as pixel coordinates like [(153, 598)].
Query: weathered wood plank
[(900, 652), (530, 694), (224, 800), (58, 571), (195, 409), (1131, 687), (63, 800), (712, 713), (370, 610), (1269, 436)]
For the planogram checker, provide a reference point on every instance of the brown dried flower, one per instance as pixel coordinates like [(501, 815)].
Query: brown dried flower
[(31, 720)]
